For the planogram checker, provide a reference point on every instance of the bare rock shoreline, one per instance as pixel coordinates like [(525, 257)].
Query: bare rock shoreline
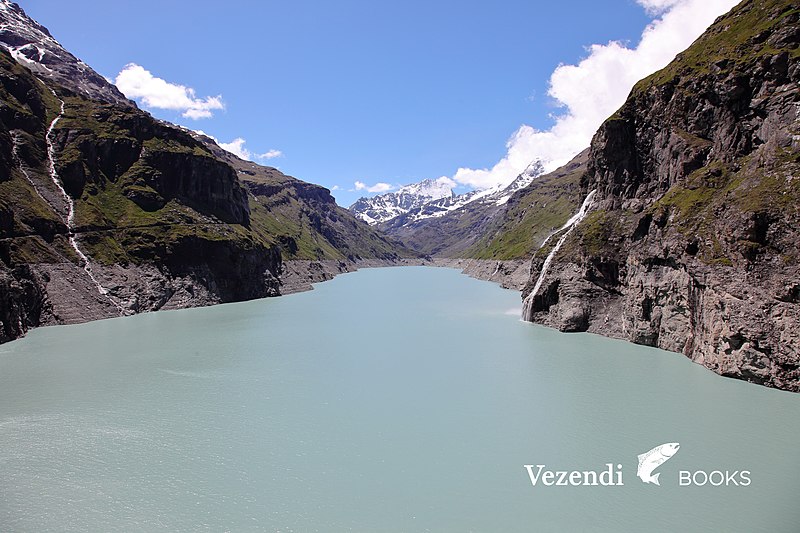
[(512, 274), (67, 295), (299, 275)]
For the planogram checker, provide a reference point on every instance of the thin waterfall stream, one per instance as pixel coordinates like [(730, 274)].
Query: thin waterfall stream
[(70, 219), (569, 226)]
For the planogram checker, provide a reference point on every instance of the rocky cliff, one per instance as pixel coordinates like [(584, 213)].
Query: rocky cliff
[(691, 240), (32, 45), (105, 211)]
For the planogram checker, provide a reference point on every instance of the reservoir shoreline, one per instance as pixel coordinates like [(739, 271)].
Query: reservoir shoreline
[(75, 301), (356, 407)]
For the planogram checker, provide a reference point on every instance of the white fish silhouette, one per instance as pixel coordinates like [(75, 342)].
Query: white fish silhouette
[(651, 460)]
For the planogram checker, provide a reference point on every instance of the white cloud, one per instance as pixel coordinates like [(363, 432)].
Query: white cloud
[(139, 83), (378, 187), (336, 188), (592, 90), (656, 7), (444, 180), (270, 154), (237, 147)]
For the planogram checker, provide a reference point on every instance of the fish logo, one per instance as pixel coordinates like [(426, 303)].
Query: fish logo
[(651, 460)]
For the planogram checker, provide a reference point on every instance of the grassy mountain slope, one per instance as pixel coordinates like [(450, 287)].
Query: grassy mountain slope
[(165, 219), (304, 218), (485, 230), (533, 213)]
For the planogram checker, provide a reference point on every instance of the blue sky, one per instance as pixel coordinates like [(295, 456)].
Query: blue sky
[(383, 92)]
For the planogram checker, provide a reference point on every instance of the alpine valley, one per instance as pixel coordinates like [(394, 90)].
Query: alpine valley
[(676, 228), (106, 211)]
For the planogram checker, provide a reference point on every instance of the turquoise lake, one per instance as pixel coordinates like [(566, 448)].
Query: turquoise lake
[(386, 400)]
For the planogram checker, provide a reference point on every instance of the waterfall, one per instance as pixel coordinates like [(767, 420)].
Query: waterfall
[(15, 154), (51, 162), (569, 226), (51, 156)]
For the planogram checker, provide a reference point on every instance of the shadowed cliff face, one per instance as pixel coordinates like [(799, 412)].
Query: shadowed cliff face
[(22, 147), (162, 222), (160, 219), (102, 147), (691, 244)]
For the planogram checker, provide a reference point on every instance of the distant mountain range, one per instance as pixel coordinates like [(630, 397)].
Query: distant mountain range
[(385, 207), (409, 210)]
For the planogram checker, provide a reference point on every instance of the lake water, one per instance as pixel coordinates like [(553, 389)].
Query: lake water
[(398, 399)]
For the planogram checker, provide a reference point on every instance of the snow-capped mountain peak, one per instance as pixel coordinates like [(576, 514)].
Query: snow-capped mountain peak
[(533, 171), (390, 205), (435, 198), (433, 189)]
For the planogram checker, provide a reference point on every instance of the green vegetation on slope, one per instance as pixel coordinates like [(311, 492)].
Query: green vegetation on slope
[(142, 187), (304, 220), (533, 213), (737, 41)]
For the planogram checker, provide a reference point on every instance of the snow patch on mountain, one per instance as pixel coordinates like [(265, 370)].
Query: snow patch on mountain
[(390, 205), (31, 44), (435, 198), (434, 189)]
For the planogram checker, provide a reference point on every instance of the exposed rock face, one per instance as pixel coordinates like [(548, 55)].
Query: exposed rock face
[(103, 147), (509, 274), (692, 242), (32, 45), (298, 275), (105, 211), (162, 220), (303, 218), (22, 301)]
